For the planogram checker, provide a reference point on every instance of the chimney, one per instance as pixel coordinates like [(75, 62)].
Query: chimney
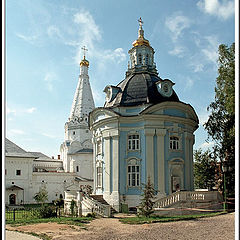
[(52, 157), (58, 156)]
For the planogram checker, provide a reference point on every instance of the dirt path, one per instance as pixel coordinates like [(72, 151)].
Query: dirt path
[(218, 227)]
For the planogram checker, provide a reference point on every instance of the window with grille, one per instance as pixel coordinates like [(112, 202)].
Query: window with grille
[(134, 176), (133, 142), (99, 176), (174, 143)]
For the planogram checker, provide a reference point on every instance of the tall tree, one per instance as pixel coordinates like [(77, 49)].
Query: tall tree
[(221, 123), (204, 169)]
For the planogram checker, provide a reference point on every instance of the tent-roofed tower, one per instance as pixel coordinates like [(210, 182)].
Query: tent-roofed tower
[(77, 140)]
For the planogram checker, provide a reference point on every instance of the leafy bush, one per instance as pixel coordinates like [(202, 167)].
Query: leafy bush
[(92, 215), (47, 212)]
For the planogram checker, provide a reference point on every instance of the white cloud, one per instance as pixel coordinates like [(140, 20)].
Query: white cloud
[(19, 110), (29, 39), (49, 78), (10, 111), (48, 135), (53, 31), (211, 51), (206, 145), (98, 96), (31, 110), (221, 9), (16, 132), (176, 24), (203, 117), (89, 30), (177, 51), (189, 83), (89, 36)]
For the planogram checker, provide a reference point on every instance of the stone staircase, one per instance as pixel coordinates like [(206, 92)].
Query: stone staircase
[(189, 201), (100, 199), (96, 204)]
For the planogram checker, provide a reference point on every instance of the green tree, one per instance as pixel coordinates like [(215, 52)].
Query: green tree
[(41, 196), (221, 122), (146, 206), (204, 169)]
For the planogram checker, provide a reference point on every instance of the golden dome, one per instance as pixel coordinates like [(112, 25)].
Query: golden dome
[(141, 41), (84, 62)]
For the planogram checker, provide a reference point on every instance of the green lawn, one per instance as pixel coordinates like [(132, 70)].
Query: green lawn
[(154, 219), (79, 221)]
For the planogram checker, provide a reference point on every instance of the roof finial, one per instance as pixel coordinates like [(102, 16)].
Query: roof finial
[(140, 30), (84, 51), (140, 22)]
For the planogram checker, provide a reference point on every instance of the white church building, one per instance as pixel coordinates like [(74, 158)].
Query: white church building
[(27, 172)]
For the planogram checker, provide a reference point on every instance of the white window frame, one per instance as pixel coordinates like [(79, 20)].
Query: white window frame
[(133, 142), (133, 176), (174, 143)]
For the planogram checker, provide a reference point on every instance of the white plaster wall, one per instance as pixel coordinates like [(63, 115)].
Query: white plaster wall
[(25, 165)]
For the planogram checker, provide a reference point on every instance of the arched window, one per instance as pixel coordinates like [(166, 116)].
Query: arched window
[(174, 143), (139, 58)]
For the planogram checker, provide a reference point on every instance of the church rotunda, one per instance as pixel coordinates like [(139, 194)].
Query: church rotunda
[(143, 130)]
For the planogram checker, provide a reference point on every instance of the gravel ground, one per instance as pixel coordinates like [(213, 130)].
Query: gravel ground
[(218, 227), (11, 235)]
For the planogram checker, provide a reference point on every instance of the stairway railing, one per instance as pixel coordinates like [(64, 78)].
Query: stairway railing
[(186, 196), (97, 207)]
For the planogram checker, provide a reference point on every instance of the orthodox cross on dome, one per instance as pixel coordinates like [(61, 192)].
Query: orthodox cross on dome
[(84, 51), (140, 22)]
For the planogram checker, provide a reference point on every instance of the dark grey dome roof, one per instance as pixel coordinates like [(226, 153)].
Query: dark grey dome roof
[(137, 89)]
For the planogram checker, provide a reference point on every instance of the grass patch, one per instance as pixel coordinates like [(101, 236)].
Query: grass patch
[(78, 221), (154, 219)]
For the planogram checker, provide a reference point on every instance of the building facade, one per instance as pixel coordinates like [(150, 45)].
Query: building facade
[(142, 131)]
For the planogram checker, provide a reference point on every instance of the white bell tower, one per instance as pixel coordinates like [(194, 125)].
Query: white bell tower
[(78, 138)]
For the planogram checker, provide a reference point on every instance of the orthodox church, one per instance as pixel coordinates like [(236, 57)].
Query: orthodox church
[(143, 130)]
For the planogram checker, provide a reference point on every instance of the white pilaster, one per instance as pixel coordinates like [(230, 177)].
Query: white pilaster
[(149, 133), (161, 163)]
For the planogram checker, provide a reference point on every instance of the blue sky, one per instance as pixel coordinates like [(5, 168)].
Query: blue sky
[(43, 50)]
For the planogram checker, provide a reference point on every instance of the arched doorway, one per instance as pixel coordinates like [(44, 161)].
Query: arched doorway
[(12, 199), (176, 178)]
